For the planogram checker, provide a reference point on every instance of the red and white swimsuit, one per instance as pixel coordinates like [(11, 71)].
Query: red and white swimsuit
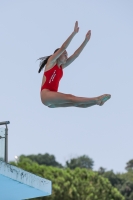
[(53, 77)]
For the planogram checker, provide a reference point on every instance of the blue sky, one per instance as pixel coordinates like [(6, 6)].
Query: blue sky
[(31, 29)]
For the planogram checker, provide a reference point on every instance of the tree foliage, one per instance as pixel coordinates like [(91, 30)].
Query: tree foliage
[(82, 162), (78, 181), (113, 178), (77, 184), (123, 182), (126, 188), (43, 159), (129, 165)]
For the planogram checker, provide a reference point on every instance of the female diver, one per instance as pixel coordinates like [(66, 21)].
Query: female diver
[(55, 65)]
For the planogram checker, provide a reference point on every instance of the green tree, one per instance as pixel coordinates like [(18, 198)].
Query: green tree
[(113, 178), (123, 182), (101, 170), (126, 187), (43, 159), (127, 190), (129, 165), (77, 184), (82, 162)]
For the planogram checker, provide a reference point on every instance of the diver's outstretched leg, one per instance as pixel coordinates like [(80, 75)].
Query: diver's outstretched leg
[(57, 99)]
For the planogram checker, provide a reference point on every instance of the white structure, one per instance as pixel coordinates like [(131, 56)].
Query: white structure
[(17, 184)]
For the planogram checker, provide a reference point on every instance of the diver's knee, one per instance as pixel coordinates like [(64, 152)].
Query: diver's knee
[(71, 98)]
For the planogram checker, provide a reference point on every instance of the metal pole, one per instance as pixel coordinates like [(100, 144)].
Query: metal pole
[(6, 144), (4, 123), (6, 139)]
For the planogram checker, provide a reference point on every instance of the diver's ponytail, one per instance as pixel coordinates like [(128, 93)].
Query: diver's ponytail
[(43, 62)]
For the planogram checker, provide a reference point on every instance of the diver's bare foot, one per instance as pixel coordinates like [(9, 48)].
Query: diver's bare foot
[(102, 99)]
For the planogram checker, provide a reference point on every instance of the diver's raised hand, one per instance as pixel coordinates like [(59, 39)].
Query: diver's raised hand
[(88, 35), (76, 28)]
